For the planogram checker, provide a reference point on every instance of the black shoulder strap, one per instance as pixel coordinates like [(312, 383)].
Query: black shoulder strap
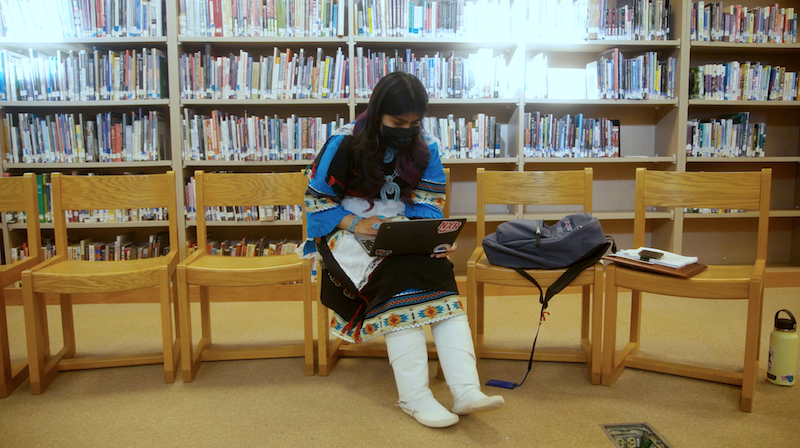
[(569, 275), (562, 282)]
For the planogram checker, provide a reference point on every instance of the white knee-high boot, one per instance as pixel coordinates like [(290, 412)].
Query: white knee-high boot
[(408, 356), (457, 358)]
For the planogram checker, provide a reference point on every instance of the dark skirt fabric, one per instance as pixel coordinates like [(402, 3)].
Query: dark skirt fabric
[(428, 278)]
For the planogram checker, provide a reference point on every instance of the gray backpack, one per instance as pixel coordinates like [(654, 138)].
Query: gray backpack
[(575, 243), (532, 244)]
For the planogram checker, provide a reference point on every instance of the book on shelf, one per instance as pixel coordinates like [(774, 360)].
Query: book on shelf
[(283, 75), (638, 78), (224, 136), (728, 136), (446, 19), (136, 136), (546, 135), (123, 248), (642, 77), (713, 22), (264, 18), (594, 19), (82, 19), (742, 81), (261, 213), (715, 211), (83, 75), (246, 247), (477, 138), (478, 75)]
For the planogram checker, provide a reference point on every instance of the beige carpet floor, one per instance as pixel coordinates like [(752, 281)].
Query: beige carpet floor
[(270, 403)]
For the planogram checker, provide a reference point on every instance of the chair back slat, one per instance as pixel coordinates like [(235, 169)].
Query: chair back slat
[(703, 190), (720, 190), (253, 189), (12, 197), (117, 192), (534, 188), (18, 194), (531, 188), (112, 192)]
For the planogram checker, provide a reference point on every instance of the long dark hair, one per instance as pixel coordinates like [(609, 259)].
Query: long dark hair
[(397, 93)]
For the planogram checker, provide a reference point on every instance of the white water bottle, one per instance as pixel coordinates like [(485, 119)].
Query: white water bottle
[(783, 346)]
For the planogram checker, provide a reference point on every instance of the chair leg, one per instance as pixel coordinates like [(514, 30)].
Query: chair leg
[(585, 310), (597, 327), (636, 320), (323, 339), (166, 326), (308, 324), (472, 309), (751, 345), (45, 327), (68, 324), (41, 375), (205, 314), (188, 364), (760, 322), (176, 314), (609, 368), (10, 378), (481, 317)]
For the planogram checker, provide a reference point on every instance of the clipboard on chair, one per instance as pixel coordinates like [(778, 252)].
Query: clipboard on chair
[(690, 270)]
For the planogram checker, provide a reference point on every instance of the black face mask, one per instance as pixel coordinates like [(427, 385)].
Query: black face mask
[(398, 137)]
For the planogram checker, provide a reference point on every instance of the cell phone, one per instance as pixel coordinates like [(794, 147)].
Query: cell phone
[(646, 255)]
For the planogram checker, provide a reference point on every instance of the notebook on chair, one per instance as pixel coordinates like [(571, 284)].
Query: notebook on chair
[(412, 237)]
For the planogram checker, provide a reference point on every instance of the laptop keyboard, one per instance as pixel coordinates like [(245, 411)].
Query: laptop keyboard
[(368, 244)]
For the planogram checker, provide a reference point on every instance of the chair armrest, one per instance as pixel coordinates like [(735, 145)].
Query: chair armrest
[(476, 255), (192, 258), (46, 264), (13, 272)]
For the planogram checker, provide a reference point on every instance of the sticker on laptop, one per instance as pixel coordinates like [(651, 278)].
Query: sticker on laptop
[(449, 226), (383, 252), (442, 248)]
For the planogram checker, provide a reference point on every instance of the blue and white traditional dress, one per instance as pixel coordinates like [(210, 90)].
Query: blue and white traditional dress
[(371, 296)]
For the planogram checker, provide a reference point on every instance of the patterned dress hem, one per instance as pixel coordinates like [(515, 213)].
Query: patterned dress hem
[(416, 315), (349, 339)]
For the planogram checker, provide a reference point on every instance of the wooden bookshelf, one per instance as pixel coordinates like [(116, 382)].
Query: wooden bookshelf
[(654, 131)]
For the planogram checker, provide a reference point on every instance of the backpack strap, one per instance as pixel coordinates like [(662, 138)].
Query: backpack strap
[(562, 282)]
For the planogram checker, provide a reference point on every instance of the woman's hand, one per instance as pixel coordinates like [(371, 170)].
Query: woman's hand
[(369, 226), (446, 254)]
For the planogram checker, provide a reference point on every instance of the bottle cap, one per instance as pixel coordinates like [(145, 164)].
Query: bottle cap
[(785, 324)]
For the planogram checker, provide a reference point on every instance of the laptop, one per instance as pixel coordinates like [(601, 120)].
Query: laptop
[(412, 237)]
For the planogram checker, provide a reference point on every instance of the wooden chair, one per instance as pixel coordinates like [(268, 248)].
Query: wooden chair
[(535, 188), (17, 194), (64, 277), (204, 270), (330, 352), (750, 191)]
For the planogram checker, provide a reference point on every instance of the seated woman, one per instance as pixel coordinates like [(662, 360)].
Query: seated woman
[(381, 168)]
